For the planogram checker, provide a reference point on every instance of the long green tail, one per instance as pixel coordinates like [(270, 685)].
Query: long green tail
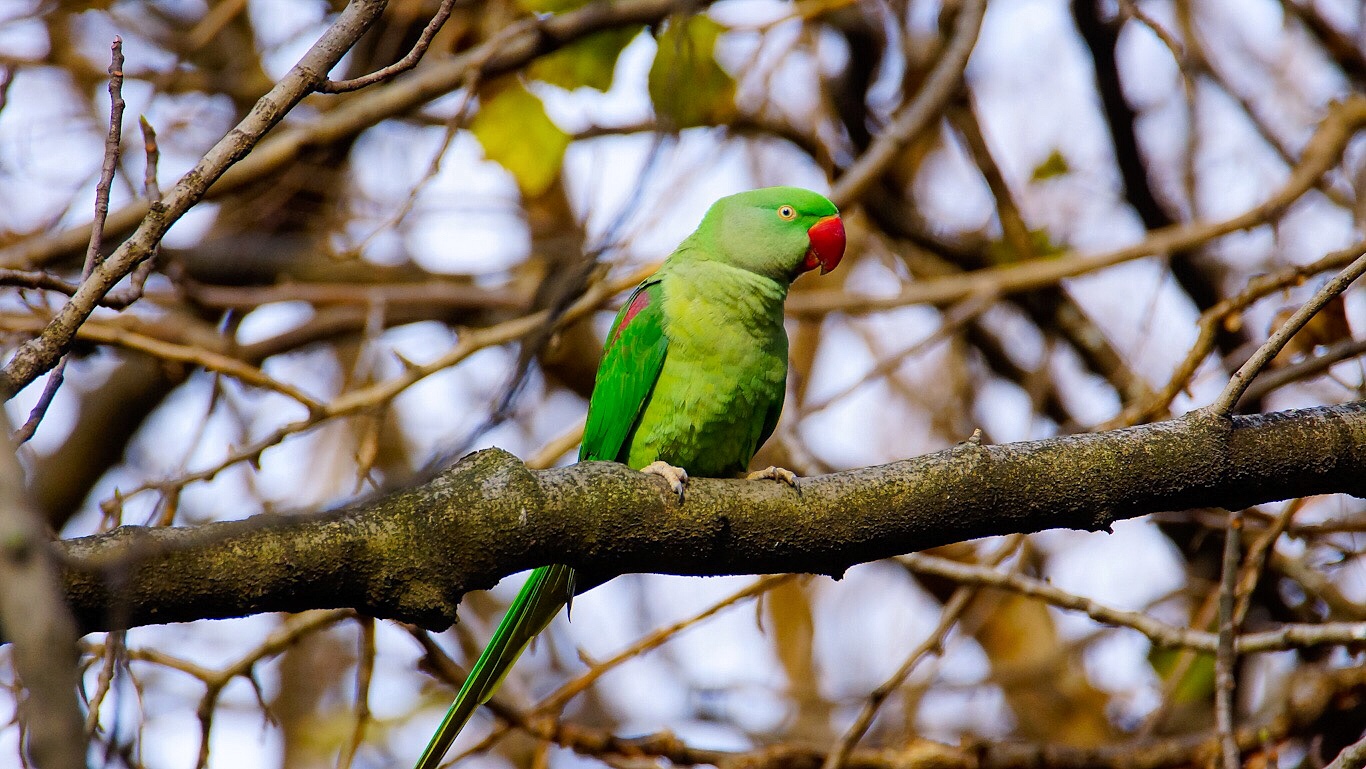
[(547, 590)]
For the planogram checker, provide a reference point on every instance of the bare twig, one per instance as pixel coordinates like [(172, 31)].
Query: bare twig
[(1306, 369), (376, 395), (1352, 757), (1174, 47), (545, 729), (6, 79), (1211, 319), (556, 447), (112, 141), (1321, 153), (518, 44), (152, 191), (39, 410), (289, 633), (210, 360), (365, 671), (113, 657), (1243, 377), (656, 638), (1345, 51), (46, 281), (40, 354), (37, 280), (953, 321), (929, 103), (402, 65), (440, 291), (1317, 584), (1226, 656), (933, 644), (1255, 560), (1160, 633)]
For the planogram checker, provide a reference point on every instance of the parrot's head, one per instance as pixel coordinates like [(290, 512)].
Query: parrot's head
[(778, 232)]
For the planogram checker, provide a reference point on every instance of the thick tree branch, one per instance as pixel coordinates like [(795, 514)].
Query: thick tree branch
[(412, 555)]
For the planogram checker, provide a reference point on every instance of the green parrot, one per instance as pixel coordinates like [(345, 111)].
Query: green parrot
[(692, 380)]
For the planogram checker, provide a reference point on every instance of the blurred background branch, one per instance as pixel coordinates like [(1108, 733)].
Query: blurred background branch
[(1063, 217)]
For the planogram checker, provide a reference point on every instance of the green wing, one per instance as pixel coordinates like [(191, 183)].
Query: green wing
[(631, 361)]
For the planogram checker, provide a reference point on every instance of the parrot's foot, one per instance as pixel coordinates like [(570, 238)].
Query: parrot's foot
[(775, 474), (676, 476)]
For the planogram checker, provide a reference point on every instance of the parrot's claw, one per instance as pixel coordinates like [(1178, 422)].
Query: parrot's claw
[(775, 474), (676, 476)]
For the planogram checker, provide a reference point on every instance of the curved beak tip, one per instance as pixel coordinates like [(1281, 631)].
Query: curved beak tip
[(827, 244)]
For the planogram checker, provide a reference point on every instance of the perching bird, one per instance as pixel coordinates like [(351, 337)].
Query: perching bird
[(691, 382)]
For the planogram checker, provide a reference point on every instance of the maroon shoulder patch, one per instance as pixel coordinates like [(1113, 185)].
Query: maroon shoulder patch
[(641, 301)]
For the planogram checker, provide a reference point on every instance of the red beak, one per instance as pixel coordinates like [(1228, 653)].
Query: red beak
[(827, 245)]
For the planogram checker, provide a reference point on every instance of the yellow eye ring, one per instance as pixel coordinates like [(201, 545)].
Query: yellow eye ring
[(787, 213)]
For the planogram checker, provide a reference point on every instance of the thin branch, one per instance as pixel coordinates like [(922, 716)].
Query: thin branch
[(556, 447), (113, 656), (288, 634), (442, 292), (402, 65), (1308, 368), (1220, 313), (117, 335), (152, 191), (365, 671), (928, 105), (1344, 51), (1226, 656), (112, 141), (40, 354), (1160, 633), (953, 321), (1323, 151), (35, 415), (1254, 561), (519, 44), (35, 279), (532, 720), (1320, 696), (1352, 757), (932, 644), (1241, 379), (380, 394), (6, 80)]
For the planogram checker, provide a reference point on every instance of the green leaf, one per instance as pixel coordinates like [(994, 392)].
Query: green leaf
[(588, 62), (1197, 685), (1002, 252), (551, 6), (687, 85), (1053, 165), (517, 134)]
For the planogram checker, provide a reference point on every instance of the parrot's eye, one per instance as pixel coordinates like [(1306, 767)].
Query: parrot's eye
[(787, 213)]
